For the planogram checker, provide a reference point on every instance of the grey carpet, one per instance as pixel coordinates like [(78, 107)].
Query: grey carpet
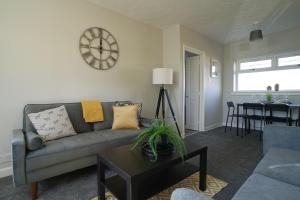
[(230, 158)]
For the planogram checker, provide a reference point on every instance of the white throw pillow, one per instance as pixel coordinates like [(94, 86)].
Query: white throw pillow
[(52, 124)]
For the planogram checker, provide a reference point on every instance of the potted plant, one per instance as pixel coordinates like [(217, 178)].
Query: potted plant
[(269, 97), (160, 139)]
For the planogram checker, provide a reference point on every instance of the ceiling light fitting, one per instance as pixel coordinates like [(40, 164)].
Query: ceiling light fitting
[(256, 33)]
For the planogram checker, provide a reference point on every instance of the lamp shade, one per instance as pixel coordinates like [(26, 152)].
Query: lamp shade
[(162, 76), (256, 35)]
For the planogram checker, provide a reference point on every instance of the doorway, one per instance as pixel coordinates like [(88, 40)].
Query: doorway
[(193, 111)]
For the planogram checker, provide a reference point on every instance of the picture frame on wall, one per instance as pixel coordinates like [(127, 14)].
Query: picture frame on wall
[(214, 68)]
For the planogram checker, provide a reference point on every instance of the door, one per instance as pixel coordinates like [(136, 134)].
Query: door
[(192, 92)]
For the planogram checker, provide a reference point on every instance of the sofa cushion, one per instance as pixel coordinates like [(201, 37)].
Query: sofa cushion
[(139, 106), (117, 136), (52, 124), (125, 117), (281, 164), (74, 111), (262, 187), (77, 146), (108, 116)]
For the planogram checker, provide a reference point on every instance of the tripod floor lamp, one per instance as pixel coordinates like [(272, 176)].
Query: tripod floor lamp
[(163, 76)]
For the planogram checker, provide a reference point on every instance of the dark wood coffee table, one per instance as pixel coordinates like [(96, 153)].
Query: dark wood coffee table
[(139, 178)]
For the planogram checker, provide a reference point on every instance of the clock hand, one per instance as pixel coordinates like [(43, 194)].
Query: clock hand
[(110, 50), (99, 48), (94, 48)]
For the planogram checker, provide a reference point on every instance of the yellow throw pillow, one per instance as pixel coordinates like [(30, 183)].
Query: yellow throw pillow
[(125, 117)]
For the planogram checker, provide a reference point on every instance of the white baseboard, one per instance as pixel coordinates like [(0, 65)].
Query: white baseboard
[(7, 171), (213, 126), (5, 165)]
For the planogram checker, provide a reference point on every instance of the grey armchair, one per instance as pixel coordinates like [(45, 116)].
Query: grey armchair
[(188, 194), (276, 177)]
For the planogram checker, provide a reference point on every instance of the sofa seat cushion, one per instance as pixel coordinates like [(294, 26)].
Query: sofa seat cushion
[(281, 164), (115, 136), (77, 146), (262, 187)]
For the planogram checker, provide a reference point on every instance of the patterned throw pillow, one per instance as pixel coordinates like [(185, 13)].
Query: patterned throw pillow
[(139, 106), (52, 124)]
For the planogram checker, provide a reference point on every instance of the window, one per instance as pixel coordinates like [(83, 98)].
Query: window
[(258, 74), (260, 80), (256, 64), (286, 61)]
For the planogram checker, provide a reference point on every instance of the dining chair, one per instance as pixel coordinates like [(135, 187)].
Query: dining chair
[(254, 112), (282, 109), (231, 114)]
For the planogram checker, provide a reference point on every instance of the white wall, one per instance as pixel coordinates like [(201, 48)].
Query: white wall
[(213, 86), (282, 42), (40, 60), (172, 59), (174, 38)]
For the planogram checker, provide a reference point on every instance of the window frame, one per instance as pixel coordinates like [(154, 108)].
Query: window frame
[(274, 67), (287, 55), (253, 60)]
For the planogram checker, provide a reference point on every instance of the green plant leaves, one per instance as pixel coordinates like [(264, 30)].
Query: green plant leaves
[(153, 136)]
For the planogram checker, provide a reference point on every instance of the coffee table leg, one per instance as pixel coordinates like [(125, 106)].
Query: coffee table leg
[(237, 120), (100, 179), (298, 116), (131, 190), (203, 169)]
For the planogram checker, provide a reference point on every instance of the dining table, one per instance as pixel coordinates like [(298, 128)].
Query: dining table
[(292, 107)]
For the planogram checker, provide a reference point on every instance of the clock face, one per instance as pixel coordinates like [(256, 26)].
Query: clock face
[(99, 48)]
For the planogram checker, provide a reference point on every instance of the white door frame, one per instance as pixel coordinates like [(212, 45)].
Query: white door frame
[(201, 86)]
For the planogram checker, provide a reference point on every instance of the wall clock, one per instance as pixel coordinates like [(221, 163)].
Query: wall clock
[(99, 48)]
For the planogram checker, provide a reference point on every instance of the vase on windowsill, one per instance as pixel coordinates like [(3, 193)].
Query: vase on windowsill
[(269, 98)]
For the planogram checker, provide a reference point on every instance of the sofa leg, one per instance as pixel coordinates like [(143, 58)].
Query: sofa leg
[(34, 188)]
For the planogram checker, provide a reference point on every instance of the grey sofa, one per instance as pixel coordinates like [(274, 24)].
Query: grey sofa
[(276, 177), (66, 154)]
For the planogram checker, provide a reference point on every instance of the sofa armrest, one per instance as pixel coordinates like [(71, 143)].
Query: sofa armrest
[(145, 122), (18, 148), (188, 194), (33, 141), (282, 137)]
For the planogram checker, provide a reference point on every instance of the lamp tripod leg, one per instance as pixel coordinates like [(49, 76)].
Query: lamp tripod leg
[(158, 103), (172, 111), (163, 103)]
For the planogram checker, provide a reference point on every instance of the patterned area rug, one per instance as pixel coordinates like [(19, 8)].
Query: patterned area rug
[(214, 186)]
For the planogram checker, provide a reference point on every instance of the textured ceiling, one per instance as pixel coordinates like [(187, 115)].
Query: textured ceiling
[(220, 20)]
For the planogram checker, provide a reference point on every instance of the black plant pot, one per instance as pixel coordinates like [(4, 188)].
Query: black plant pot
[(164, 148)]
